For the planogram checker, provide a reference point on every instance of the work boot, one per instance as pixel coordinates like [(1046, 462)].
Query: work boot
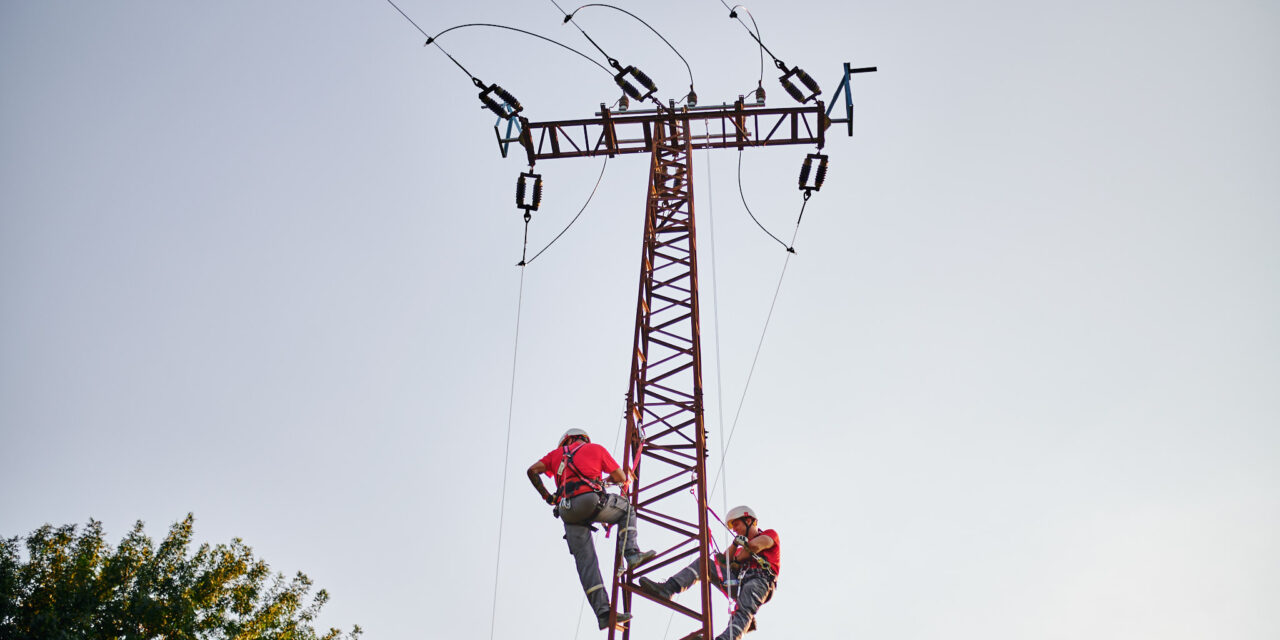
[(653, 588), (623, 618), (636, 559)]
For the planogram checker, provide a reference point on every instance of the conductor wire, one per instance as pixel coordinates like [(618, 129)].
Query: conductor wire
[(753, 35), (430, 40), (612, 61), (655, 32), (575, 218), (743, 195), (528, 33)]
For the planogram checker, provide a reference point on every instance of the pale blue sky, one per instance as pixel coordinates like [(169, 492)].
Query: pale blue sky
[(256, 262)]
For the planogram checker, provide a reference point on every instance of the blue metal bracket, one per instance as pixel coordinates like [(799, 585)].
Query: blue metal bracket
[(513, 133), (845, 83)]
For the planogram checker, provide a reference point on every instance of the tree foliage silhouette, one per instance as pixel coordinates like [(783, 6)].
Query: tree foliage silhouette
[(75, 585)]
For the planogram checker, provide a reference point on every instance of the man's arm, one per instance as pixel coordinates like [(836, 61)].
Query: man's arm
[(621, 477), (535, 472), (753, 546)]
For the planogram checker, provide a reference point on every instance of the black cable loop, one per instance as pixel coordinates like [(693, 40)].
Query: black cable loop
[(748, 208), (655, 32), (603, 165), (432, 39), (733, 13), (753, 23)]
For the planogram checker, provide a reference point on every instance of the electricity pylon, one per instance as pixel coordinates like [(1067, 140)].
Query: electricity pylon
[(665, 429)]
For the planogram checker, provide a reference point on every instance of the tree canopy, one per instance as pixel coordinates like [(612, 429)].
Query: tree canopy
[(75, 585)]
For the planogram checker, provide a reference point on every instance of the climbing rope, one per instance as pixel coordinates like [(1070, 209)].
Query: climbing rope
[(760, 345), (502, 508)]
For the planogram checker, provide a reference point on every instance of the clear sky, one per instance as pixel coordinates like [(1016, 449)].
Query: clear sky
[(256, 263)]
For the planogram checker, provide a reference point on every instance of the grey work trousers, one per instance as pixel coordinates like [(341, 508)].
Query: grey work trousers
[(754, 589), (577, 532)]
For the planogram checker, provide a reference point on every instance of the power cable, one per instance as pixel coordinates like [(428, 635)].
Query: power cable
[(621, 78), (733, 13), (575, 218), (760, 83), (655, 32), (432, 39), (502, 509), (748, 208)]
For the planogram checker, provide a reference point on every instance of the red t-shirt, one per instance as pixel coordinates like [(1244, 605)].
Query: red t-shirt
[(773, 554), (589, 458)]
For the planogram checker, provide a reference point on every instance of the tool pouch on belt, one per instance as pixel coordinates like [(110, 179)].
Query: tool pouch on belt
[(580, 510)]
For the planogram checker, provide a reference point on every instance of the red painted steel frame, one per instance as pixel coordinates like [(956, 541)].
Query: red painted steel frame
[(665, 433), (727, 127)]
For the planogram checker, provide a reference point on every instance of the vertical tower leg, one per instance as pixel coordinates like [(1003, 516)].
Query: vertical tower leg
[(665, 432)]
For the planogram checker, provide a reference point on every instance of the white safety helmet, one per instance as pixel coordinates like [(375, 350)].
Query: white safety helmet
[(574, 433), (742, 511)]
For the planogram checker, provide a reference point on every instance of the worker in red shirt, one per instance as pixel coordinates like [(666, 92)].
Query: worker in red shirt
[(755, 558), (580, 500)]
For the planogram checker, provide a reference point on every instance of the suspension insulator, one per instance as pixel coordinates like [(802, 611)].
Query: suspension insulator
[(523, 188), (506, 109), (808, 82), (692, 98), (797, 92), (509, 99), (760, 94), (792, 90), (627, 88), (806, 169), (624, 103), (630, 89), (644, 79), (821, 176)]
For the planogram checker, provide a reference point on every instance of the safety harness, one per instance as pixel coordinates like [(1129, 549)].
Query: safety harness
[(567, 488)]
